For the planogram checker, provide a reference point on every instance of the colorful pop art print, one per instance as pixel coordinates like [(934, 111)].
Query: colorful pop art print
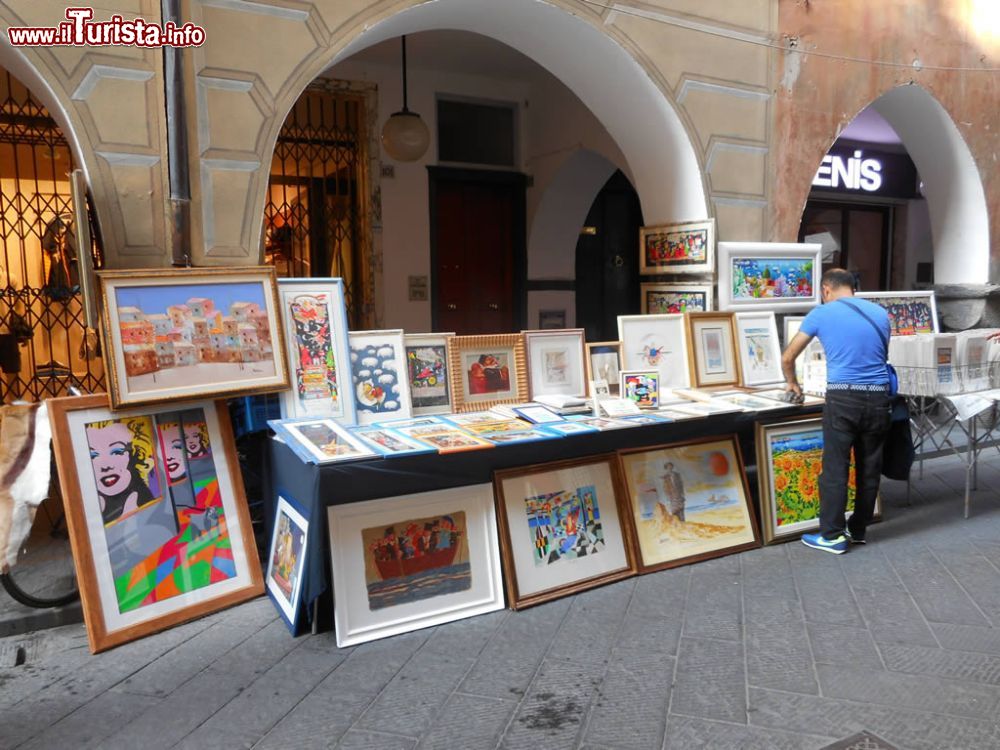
[(909, 312), (556, 362), (320, 441), (677, 248), (286, 560), (657, 342), (712, 338), (487, 370), (159, 524), (380, 381), (413, 561), (562, 528), (604, 362), (769, 275), (191, 333), (658, 299), (760, 351), (315, 324), (789, 462), (641, 387), (688, 502), (391, 443), (427, 366)]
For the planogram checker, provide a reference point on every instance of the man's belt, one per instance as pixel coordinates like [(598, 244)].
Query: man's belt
[(863, 387)]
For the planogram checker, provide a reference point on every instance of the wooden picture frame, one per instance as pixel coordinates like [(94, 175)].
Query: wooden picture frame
[(314, 318), (780, 276), (658, 298), (379, 376), (182, 501), (909, 312), (657, 341), (711, 340), (427, 367), (556, 362), (604, 550), (380, 589), (286, 560), (604, 361), (487, 370), (661, 510), (759, 348), (687, 247), (166, 337)]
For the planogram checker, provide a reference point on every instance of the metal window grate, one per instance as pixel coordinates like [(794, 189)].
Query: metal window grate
[(39, 286)]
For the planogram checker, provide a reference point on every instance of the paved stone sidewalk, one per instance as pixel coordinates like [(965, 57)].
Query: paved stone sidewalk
[(778, 648)]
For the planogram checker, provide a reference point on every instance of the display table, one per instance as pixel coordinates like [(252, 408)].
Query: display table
[(316, 487)]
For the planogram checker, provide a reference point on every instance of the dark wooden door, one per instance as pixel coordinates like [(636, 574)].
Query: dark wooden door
[(477, 251)]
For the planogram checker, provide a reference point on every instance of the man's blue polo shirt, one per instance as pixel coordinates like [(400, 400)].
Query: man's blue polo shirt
[(854, 351)]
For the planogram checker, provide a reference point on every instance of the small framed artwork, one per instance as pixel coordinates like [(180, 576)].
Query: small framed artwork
[(380, 380), (537, 414), (487, 370), (769, 275), (563, 528), (750, 402), (570, 428), (712, 339), (530, 435), (446, 438), (789, 462), (812, 355), (320, 441), (427, 367), (391, 443), (689, 502), (604, 362), (760, 351), (159, 523), (413, 561), (618, 407), (315, 324), (909, 312), (286, 560), (551, 319), (658, 299), (641, 387), (556, 362), (171, 334), (790, 325), (677, 248), (656, 342)]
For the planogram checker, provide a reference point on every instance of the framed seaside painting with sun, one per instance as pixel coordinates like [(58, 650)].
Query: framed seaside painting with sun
[(159, 523)]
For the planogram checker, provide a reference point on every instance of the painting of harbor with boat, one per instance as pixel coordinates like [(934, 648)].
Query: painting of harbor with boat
[(416, 559)]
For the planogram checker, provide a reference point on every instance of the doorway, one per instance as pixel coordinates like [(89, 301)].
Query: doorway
[(478, 263), (607, 273), (859, 238)]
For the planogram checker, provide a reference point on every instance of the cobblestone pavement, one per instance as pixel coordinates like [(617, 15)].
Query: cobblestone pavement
[(781, 647)]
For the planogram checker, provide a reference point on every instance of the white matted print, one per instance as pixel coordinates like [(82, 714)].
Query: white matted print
[(656, 342), (769, 275), (286, 561), (315, 321), (427, 367), (383, 587), (379, 376), (714, 361), (556, 362), (760, 352)]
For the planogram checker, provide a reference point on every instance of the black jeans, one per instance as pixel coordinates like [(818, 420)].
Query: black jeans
[(859, 420)]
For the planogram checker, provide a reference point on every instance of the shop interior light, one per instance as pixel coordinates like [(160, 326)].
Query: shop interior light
[(405, 137)]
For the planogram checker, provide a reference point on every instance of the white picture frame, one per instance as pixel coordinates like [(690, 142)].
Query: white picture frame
[(320, 441), (289, 538), (658, 342), (427, 372), (791, 282), (476, 585), (379, 376), (556, 362), (759, 347)]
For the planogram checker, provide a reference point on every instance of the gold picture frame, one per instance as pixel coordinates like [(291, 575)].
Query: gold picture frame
[(604, 348), (192, 333), (686, 247), (711, 340), (487, 370)]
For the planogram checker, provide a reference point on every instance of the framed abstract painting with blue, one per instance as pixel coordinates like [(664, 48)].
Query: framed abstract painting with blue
[(780, 276), (413, 561), (563, 528), (286, 560)]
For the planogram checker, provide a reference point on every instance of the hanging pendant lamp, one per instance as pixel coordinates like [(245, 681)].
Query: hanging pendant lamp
[(405, 137)]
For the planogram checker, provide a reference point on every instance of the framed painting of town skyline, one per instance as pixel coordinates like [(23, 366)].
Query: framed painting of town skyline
[(159, 523), (191, 333), (909, 312), (563, 528), (688, 247), (413, 561), (769, 275)]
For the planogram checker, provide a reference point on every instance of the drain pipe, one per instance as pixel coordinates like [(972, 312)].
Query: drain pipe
[(178, 164)]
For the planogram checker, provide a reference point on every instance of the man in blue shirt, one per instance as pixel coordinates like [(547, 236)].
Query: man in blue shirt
[(857, 414)]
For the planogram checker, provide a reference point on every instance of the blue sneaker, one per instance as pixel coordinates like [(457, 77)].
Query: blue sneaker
[(854, 539), (837, 546)]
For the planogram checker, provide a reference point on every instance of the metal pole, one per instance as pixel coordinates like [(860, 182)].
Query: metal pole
[(178, 164)]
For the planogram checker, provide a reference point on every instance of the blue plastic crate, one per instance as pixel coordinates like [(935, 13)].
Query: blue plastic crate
[(250, 413)]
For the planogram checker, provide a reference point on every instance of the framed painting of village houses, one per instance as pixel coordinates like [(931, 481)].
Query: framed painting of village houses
[(191, 333), (158, 520)]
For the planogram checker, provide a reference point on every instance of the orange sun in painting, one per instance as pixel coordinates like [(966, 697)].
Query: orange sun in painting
[(718, 463)]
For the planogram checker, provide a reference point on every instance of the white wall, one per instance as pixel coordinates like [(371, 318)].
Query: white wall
[(919, 240)]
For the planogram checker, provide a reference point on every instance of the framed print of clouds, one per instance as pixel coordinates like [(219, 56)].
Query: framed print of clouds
[(286, 560), (909, 312), (675, 298), (659, 342), (760, 354), (315, 324), (161, 532), (677, 248), (410, 562), (379, 377), (556, 362), (563, 528), (176, 333), (768, 275), (427, 366)]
